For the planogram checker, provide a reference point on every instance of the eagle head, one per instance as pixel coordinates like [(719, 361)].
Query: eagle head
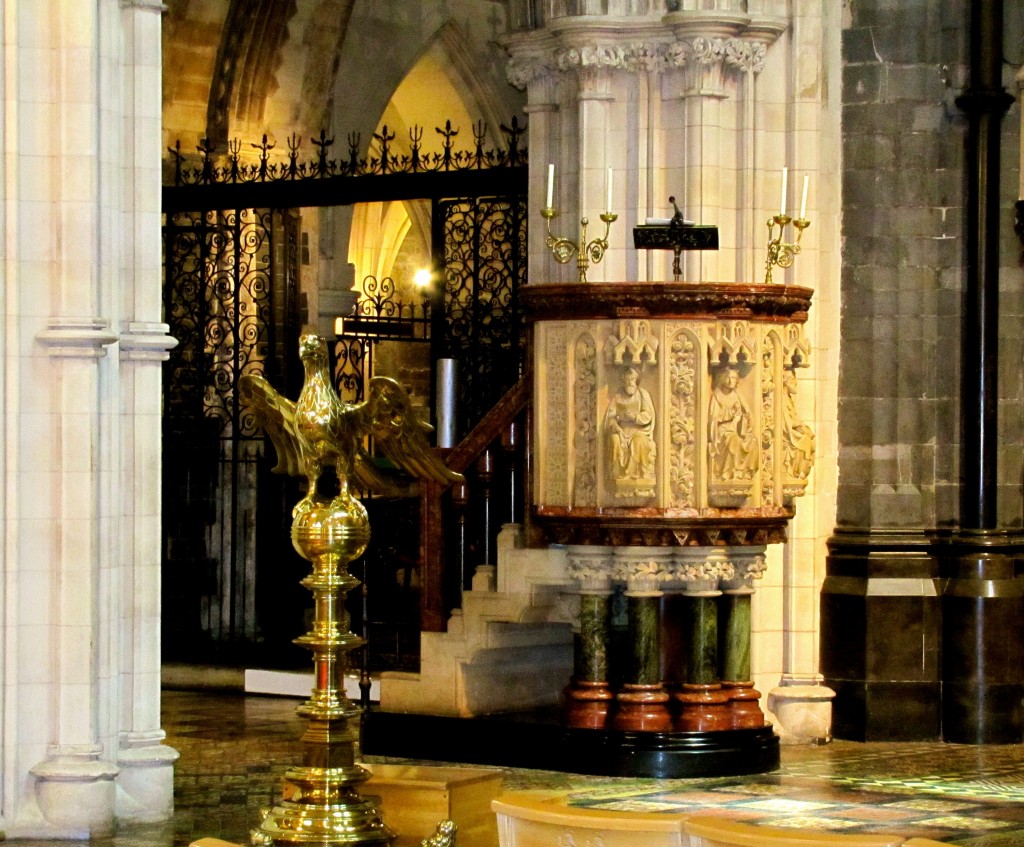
[(312, 349)]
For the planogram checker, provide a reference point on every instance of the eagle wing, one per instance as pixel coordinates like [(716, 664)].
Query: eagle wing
[(389, 417), (371, 478), (276, 414)]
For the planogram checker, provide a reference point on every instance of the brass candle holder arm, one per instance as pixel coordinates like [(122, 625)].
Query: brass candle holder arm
[(586, 252), (782, 253)]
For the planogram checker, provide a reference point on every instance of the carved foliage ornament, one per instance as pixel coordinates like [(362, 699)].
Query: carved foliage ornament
[(715, 564), (684, 420), (585, 438), (642, 57)]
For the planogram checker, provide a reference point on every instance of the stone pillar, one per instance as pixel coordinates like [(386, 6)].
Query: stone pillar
[(880, 618), (145, 781), (545, 143), (983, 599), (588, 697), (642, 700), (598, 83), (82, 423)]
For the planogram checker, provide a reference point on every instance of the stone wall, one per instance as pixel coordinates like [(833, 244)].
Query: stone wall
[(903, 278)]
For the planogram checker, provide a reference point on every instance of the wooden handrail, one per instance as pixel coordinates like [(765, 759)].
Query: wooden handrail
[(490, 427), (433, 614)]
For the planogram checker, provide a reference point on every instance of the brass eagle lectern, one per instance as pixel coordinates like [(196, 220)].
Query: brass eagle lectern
[(320, 803)]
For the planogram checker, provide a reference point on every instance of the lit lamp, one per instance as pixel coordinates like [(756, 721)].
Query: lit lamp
[(421, 279)]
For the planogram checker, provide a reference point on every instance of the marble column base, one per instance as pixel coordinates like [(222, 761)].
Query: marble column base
[(587, 705), (702, 708), (146, 781), (642, 708), (803, 711), (744, 706), (75, 791)]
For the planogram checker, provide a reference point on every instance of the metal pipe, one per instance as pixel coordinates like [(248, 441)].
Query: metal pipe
[(985, 101)]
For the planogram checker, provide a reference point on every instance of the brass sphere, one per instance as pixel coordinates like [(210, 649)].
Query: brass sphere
[(340, 528)]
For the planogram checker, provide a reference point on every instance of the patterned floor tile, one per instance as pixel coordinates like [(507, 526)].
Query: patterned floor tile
[(810, 822), (234, 750), (963, 822)]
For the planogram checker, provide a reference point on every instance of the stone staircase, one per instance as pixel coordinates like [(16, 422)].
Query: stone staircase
[(509, 648)]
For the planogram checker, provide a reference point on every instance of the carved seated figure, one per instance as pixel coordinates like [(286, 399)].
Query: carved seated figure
[(629, 432), (732, 442)]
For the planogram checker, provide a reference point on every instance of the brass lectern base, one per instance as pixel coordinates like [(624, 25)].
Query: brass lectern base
[(350, 819)]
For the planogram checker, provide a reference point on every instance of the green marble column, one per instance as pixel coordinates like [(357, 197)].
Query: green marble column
[(703, 705), (703, 640), (645, 628), (642, 702), (734, 636), (591, 654), (734, 647), (588, 698)]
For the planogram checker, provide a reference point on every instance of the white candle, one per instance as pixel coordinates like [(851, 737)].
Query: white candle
[(551, 185), (803, 200), (782, 203), (608, 185)]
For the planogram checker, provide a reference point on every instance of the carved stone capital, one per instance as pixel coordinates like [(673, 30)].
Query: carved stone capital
[(749, 564), (590, 566), (706, 44), (521, 70), (700, 565), (643, 569)]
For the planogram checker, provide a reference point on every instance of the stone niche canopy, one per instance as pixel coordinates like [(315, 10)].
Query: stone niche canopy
[(666, 413)]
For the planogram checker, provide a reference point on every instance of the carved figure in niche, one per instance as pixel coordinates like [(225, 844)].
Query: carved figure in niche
[(732, 442), (629, 431), (798, 439)]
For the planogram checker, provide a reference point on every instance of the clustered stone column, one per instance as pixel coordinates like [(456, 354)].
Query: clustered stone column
[(688, 663)]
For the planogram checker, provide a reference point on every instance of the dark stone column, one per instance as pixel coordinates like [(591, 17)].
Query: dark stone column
[(880, 620), (982, 648), (983, 614), (920, 610)]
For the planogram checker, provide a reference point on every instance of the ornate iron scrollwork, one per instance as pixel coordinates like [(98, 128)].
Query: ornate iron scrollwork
[(484, 265), (213, 168)]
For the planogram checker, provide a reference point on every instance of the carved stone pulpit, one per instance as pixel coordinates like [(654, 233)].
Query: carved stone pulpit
[(668, 451)]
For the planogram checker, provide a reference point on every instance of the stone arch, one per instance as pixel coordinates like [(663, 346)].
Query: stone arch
[(460, 37)]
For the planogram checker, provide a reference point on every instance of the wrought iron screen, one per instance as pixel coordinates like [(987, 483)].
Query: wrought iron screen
[(380, 315), (231, 301), (481, 245), (231, 579)]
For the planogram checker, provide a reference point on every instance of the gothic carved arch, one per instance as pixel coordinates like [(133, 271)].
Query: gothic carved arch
[(248, 56)]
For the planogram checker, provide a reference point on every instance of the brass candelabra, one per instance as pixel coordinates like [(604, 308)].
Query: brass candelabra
[(563, 249), (782, 253)]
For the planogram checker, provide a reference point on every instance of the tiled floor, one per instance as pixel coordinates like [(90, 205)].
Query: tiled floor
[(235, 748)]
